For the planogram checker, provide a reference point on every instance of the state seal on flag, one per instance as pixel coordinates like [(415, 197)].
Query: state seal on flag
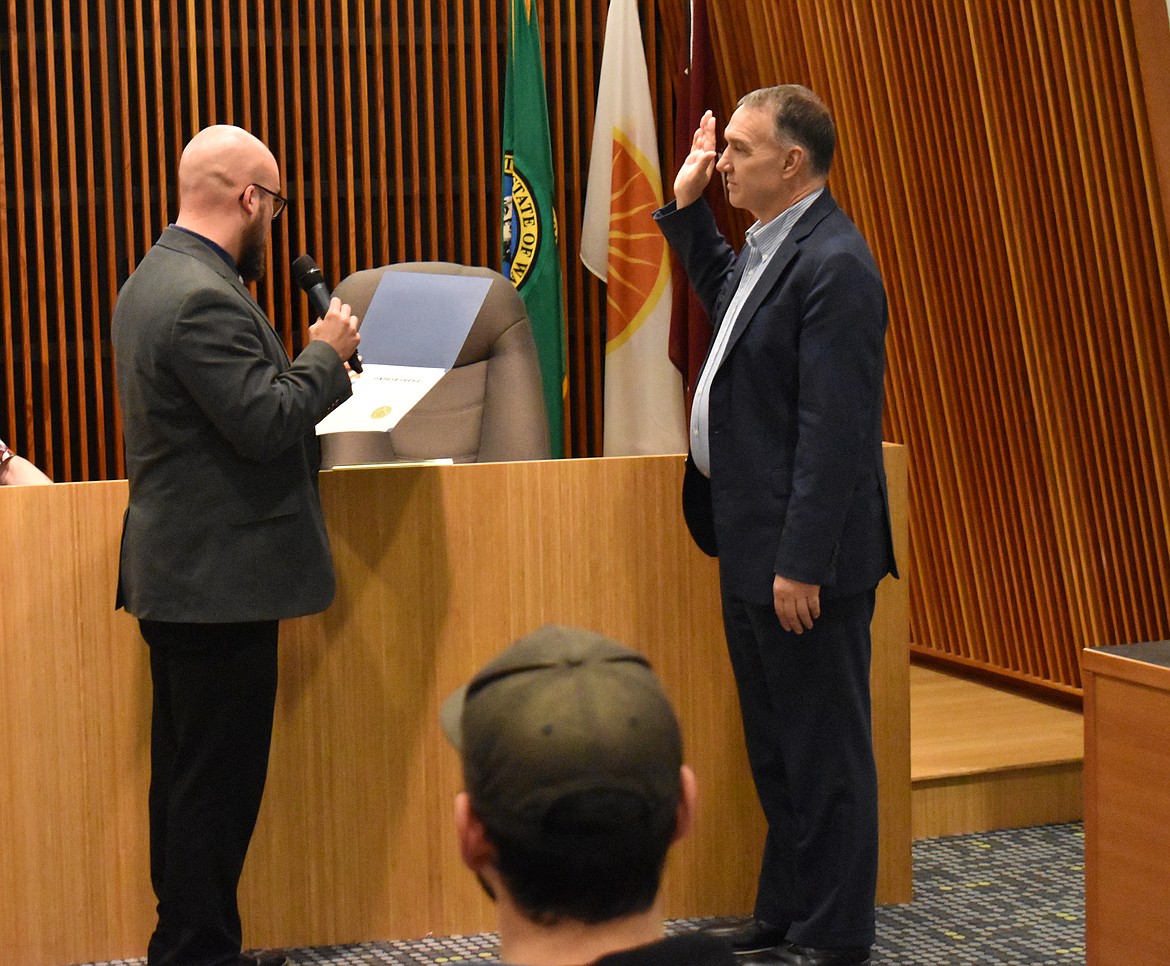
[(521, 224)]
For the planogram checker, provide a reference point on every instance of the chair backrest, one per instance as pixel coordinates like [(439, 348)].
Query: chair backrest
[(488, 408)]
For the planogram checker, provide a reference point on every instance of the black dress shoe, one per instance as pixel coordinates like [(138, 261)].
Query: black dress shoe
[(749, 935), (793, 954)]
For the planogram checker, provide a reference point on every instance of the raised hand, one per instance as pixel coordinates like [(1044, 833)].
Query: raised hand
[(695, 173)]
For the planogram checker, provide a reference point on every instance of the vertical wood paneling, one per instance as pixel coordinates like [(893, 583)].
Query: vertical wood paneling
[(241, 23), (381, 226), (262, 124), (278, 137), (459, 107), (78, 334), (328, 204), (29, 425), (363, 221), (1029, 314), (6, 300), (446, 121), (399, 107), (429, 136), (36, 291), (124, 174), (56, 371), (998, 157), (309, 123), (109, 243), (384, 117), (483, 213), (1143, 38), (413, 108)]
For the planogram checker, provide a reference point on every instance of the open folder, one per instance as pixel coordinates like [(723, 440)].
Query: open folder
[(411, 336)]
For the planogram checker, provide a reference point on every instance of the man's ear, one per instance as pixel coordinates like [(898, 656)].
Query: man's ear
[(687, 802), (474, 847), (793, 159), (248, 200)]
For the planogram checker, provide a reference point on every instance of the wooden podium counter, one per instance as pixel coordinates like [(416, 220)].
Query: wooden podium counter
[(1127, 801), (439, 568)]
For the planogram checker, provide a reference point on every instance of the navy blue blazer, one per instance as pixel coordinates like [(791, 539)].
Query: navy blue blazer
[(798, 484)]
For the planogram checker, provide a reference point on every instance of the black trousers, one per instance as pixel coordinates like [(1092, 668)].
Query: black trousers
[(805, 705), (211, 728)]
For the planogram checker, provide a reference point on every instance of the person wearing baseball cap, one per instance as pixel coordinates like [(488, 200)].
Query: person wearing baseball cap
[(575, 791)]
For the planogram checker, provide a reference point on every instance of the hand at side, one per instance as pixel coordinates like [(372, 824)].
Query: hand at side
[(797, 605)]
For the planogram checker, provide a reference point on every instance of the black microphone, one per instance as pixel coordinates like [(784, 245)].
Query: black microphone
[(308, 276)]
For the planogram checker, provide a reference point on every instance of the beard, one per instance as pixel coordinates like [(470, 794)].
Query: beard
[(253, 247)]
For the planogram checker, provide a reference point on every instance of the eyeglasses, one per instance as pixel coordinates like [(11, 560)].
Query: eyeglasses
[(281, 200)]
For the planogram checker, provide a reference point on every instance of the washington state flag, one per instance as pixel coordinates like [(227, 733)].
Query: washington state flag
[(530, 250), (620, 244)]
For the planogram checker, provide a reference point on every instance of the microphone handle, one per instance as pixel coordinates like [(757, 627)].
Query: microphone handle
[(319, 302)]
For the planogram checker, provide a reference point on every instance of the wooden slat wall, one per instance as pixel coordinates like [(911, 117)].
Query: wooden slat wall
[(998, 159), (384, 116)]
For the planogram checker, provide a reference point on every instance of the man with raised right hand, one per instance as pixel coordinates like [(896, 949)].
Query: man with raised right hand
[(785, 484)]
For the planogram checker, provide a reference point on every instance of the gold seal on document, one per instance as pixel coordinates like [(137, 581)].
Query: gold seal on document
[(380, 413)]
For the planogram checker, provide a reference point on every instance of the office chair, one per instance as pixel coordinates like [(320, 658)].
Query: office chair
[(488, 408)]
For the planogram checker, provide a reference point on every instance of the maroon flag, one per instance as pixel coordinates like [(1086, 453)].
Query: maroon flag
[(695, 92)]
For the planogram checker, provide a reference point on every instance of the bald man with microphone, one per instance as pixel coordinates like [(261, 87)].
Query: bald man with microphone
[(224, 534)]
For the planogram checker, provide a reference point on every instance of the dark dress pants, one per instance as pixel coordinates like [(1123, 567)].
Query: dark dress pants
[(211, 728), (805, 704)]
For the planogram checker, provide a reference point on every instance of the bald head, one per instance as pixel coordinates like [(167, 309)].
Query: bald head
[(217, 199), (218, 163)]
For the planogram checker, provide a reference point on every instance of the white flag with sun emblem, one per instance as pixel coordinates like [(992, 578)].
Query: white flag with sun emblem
[(644, 408)]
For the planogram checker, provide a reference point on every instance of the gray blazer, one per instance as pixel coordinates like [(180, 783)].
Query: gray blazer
[(224, 522)]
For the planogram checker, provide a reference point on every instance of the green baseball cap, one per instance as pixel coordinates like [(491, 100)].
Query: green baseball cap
[(561, 713)]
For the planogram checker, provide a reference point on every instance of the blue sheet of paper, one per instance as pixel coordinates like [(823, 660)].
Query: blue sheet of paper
[(417, 319)]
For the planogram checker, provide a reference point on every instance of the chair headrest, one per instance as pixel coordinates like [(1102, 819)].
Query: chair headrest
[(502, 307)]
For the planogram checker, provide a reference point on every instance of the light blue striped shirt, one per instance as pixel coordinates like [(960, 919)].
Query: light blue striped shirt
[(762, 242)]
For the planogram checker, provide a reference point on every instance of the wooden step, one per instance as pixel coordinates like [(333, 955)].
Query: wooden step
[(984, 758)]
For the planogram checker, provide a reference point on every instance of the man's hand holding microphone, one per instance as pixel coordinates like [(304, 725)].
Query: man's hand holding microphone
[(339, 328)]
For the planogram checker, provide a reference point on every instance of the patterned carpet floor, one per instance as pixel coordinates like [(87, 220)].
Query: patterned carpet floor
[(1013, 897)]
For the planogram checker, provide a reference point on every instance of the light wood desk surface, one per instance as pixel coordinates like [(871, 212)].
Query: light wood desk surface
[(1127, 799), (439, 568)]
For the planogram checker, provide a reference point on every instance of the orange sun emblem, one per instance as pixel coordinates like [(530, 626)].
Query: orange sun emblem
[(638, 265)]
